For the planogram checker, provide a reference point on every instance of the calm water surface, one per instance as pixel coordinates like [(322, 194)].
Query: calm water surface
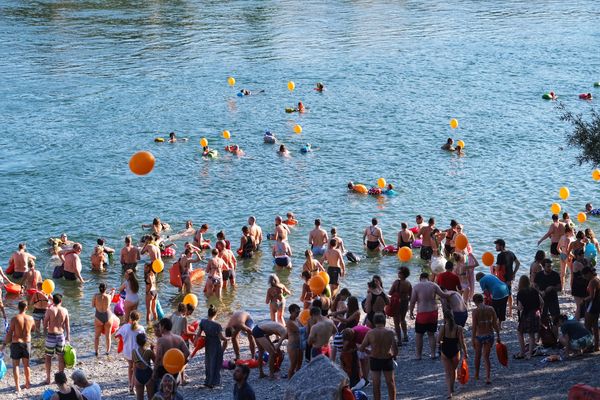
[(88, 83)]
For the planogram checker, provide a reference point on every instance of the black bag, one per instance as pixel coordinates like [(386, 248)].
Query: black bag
[(547, 336), (351, 257)]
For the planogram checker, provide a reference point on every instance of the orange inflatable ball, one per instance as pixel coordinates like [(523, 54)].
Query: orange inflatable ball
[(563, 193), (191, 298), (304, 316), (487, 258), (298, 129), (226, 134), (405, 254), (581, 217), (555, 208), (141, 163), (158, 265), (316, 284), (596, 174), (204, 142), (461, 241), (325, 276), (173, 361), (453, 123)]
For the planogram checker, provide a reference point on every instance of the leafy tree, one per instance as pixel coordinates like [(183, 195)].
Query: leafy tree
[(585, 135)]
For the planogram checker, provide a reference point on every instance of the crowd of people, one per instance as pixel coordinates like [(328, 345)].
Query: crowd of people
[(325, 320)]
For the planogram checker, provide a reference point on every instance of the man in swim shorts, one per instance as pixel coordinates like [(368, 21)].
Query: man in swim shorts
[(373, 237), (425, 235), (281, 229), (19, 337), (229, 263), (262, 333), (321, 332), (317, 239), (336, 266), (423, 295), (240, 321), (255, 231), (555, 232), (130, 255), (20, 259), (384, 351), (72, 266), (58, 330)]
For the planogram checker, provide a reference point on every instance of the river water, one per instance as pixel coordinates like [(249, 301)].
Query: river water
[(88, 83)]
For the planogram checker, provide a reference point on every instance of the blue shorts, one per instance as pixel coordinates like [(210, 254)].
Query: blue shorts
[(257, 332), (318, 251)]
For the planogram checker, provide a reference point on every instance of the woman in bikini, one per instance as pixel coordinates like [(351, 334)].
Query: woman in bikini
[(375, 302), (214, 273), (151, 294), (97, 259), (275, 298), (132, 287), (405, 237), (40, 302), (103, 320), (451, 340), (282, 253), (312, 265), (484, 323), (307, 296)]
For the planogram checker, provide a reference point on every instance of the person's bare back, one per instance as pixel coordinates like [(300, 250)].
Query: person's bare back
[(382, 341), (321, 333), (55, 319), (22, 325), (423, 294)]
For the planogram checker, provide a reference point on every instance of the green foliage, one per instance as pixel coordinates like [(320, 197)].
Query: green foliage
[(585, 135)]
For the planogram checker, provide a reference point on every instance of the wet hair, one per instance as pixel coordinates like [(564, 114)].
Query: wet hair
[(419, 216), (566, 216), (165, 324), (333, 231), (424, 275), (22, 306), (128, 239), (221, 235), (379, 319), (156, 221), (403, 225), (100, 242), (57, 298), (554, 217), (274, 281), (431, 221), (449, 141), (333, 242), (453, 223), (580, 235), (404, 271), (317, 222), (293, 308), (308, 254), (134, 285), (141, 339), (315, 311), (245, 229), (479, 276), (540, 255), (21, 246), (102, 287), (212, 310), (477, 298), (204, 226), (181, 307), (60, 378), (449, 265), (350, 185), (374, 221)]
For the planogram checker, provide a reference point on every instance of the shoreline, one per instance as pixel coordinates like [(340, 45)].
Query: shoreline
[(414, 379)]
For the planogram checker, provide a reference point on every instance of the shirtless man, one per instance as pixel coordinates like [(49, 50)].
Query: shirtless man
[(214, 275), (419, 221), (336, 266), (39, 301), (189, 257), (240, 321), (373, 236), (262, 333), (130, 255), (188, 231), (293, 337), (425, 235), (484, 322), (423, 294), (229, 262), (20, 259), (32, 276), (72, 265), (321, 332), (199, 237), (340, 241), (58, 331), (281, 230), (317, 239), (384, 351), (19, 337), (255, 231), (449, 145), (165, 342), (555, 232)]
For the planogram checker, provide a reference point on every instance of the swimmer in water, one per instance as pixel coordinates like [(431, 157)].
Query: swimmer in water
[(307, 148), (388, 188), (459, 151), (553, 96), (269, 137), (173, 138), (585, 96), (301, 108), (589, 209), (448, 145), (320, 87), (291, 220), (283, 151)]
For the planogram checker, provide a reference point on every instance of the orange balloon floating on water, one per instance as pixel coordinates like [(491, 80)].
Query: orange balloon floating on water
[(297, 129), (563, 193), (581, 217), (141, 163), (405, 254), (173, 361), (461, 241), (555, 208), (226, 134), (204, 142), (596, 174), (453, 123), (487, 258), (381, 183)]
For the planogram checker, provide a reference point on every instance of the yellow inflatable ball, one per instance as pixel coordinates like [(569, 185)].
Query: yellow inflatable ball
[(141, 163), (596, 174), (191, 298), (297, 129), (581, 217), (158, 265), (174, 361), (555, 208), (564, 193), (231, 81), (381, 183), (48, 286), (453, 123), (317, 285), (461, 241), (204, 142), (405, 254), (461, 144), (487, 258), (226, 134), (291, 86), (325, 276), (304, 316)]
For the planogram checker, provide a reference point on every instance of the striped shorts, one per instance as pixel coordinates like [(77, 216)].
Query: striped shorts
[(55, 343)]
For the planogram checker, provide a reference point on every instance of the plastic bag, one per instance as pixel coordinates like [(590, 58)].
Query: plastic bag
[(2, 367), (120, 307), (438, 264), (502, 353), (70, 356), (463, 372)]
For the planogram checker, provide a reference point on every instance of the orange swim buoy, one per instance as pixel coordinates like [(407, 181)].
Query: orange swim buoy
[(199, 345), (197, 275), (175, 275), (502, 353), (13, 288)]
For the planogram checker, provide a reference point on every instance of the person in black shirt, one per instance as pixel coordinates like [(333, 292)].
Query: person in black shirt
[(242, 390), (529, 303), (547, 281), (506, 268)]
